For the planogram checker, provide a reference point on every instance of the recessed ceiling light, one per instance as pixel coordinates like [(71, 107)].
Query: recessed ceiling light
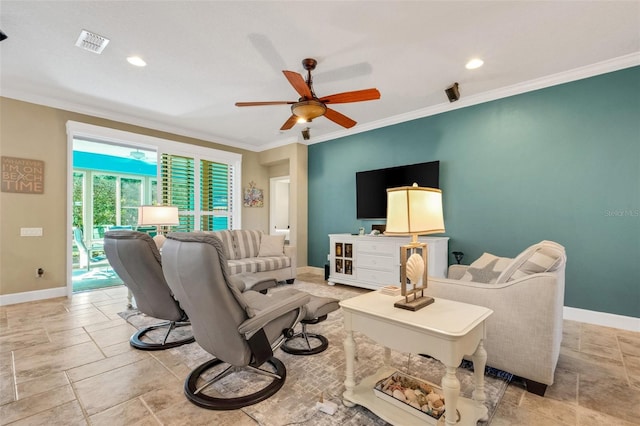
[(474, 63), (137, 61)]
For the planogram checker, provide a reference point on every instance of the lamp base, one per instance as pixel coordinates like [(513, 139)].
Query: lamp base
[(415, 304)]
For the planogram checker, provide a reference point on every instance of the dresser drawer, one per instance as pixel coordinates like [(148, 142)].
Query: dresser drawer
[(378, 277), (386, 263), (379, 249)]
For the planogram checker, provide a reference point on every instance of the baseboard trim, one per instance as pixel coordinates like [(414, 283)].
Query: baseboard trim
[(602, 318), (32, 296)]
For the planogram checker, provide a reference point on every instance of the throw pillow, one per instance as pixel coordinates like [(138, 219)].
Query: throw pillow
[(271, 245), (486, 269), (544, 256)]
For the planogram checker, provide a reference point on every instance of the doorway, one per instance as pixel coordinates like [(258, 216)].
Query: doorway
[(279, 206), (110, 181)]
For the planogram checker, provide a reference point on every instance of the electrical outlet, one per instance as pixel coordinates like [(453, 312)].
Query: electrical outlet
[(31, 232)]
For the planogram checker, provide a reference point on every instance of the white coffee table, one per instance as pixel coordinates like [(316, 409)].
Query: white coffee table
[(446, 330)]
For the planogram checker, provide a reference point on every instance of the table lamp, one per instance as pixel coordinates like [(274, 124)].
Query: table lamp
[(414, 210), (158, 216)]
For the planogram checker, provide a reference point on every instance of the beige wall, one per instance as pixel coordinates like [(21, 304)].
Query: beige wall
[(294, 157), (38, 132)]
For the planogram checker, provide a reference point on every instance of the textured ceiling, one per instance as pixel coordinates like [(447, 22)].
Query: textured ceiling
[(203, 56)]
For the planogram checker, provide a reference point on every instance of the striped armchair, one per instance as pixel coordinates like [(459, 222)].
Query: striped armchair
[(253, 252)]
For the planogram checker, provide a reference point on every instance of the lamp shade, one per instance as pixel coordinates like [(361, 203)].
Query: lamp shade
[(158, 215), (414, 210)]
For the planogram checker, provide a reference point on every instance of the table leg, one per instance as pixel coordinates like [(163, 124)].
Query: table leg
[(451, 390), (350, 381), (479, 362)]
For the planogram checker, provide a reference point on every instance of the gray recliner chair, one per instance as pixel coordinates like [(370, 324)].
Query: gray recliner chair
[(239, 329), (134, 256)]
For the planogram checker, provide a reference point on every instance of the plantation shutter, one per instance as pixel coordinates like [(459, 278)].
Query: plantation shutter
[(178, 187), (216, 195), (203, 195)]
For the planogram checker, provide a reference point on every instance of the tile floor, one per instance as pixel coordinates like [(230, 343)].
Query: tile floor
[(68, 362)]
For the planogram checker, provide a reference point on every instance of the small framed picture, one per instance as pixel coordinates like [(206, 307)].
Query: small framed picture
[(348, 267), (339, 266), (338, 249), (348, 248)]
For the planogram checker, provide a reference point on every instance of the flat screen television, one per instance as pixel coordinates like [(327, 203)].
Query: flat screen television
[(371, 186)]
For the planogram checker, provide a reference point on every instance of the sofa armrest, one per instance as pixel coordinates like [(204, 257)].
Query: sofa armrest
[(291, 253), (525, 330), (456, 271)]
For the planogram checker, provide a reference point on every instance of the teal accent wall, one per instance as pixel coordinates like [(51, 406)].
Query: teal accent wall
[(561, 164)]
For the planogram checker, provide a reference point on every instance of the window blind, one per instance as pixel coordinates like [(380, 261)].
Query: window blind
[(203, 195)]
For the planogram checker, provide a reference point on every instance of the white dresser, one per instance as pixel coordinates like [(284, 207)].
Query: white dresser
[(370, 261)]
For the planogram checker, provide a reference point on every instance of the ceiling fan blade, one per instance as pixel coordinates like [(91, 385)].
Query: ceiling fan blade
[(354, 96), (298, 83), (289, 123), (338, 118), (244, 104)]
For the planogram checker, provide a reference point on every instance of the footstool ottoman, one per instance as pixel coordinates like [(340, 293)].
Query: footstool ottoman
[(316, 311)]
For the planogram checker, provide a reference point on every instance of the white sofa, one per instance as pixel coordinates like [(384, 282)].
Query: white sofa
[(525, 330), (255, 253)]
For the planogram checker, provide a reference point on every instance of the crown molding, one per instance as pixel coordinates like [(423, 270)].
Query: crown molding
[(603, 67), (122, 118), (592, 70)]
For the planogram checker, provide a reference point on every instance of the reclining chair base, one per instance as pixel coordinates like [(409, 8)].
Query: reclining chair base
[(306, 338), (146, 345), (316, 311), (195, 393)]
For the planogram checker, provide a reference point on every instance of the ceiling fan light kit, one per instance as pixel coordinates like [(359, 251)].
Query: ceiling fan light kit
[(137, 154), (308, 110), (309, 106)]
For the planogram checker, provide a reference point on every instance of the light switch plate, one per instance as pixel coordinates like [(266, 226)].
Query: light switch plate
[(31, 232)]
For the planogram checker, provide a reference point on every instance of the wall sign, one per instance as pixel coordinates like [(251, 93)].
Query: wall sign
[(22, 175)]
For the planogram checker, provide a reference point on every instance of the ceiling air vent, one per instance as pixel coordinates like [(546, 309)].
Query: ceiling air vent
[(92, 42)]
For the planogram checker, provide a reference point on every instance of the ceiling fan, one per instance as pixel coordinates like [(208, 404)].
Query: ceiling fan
[(309, 106)]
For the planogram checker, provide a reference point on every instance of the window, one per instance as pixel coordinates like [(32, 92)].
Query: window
[(203, 182), (204, 194)]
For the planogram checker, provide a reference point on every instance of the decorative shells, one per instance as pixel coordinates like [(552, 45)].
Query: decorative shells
[(433, 397), (415, 268), (410, 395), (399, 395), (437, 405), (413, 392)]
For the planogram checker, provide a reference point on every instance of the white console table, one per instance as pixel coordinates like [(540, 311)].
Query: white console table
[(447, 330), (371, 261)]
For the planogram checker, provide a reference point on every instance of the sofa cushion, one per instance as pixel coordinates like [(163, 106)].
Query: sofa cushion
[(247, 243), (545, 256), (486, 269), (272, 263), (241, 266), (271, 245)]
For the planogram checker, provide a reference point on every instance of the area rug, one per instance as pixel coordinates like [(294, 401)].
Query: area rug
[(311, 377)]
